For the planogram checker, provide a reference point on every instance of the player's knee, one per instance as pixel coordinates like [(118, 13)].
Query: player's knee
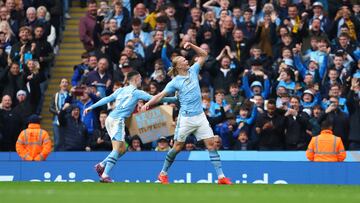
[(178, 147)]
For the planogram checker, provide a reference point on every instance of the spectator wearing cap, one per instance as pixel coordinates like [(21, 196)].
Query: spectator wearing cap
[(318, 13), (80, 69), (10, 125), (308, 99), (256, 88), (141, 39), (122, 69), (190, 143), (23, 107), (109, 47), (87, 25), (33, 143), (162, 144), (73, 132)]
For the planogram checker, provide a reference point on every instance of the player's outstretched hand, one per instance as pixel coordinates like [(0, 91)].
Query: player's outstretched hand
[(144, 108), (86, 111)]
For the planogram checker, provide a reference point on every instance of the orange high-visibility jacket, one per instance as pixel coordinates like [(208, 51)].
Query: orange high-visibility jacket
[(33, 143), (326, 147)]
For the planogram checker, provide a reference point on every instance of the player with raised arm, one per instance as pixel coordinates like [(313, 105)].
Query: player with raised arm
[(191, 118), (125, 101)]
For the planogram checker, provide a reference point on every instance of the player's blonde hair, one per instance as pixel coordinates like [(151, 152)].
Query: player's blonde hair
[(173, 70)]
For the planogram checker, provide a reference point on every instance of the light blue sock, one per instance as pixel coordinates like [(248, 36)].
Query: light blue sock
[(215, 160), (111, 161), (170, 157)]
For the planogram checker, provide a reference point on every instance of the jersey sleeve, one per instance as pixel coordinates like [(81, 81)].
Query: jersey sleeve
[(143, 95), (107, 99), (195, 68), (170, 87)]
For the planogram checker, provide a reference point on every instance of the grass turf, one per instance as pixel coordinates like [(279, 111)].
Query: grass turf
[(185, 193)]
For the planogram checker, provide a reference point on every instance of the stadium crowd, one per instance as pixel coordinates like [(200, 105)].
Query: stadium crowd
[(274, 71)]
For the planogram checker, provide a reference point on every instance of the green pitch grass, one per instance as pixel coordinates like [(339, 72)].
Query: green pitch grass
[(26, 192)]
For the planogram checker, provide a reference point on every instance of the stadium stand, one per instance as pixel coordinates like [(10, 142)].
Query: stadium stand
[(273, 74)]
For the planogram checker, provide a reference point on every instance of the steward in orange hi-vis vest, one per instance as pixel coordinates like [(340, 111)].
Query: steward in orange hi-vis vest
[(326, 147), (33, 143)]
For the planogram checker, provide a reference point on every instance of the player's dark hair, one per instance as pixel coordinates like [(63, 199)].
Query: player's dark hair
[(131, 74)]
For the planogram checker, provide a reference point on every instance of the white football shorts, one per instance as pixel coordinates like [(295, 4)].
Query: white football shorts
[(115, 128), (197, 125)]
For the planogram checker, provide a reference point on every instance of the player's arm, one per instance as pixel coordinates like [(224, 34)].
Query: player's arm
[(102, 102), (202, 54), (154, 100)]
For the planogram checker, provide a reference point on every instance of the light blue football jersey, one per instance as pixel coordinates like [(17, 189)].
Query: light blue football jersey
[(126, 99), (189, 93)]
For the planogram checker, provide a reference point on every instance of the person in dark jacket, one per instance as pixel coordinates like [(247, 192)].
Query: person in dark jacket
[(11, 81), (296, 124), (100, 140), (354, 110), (73, 132), (339, 120), (226, 72), (10, 125), (270, 128), (23, 108)]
